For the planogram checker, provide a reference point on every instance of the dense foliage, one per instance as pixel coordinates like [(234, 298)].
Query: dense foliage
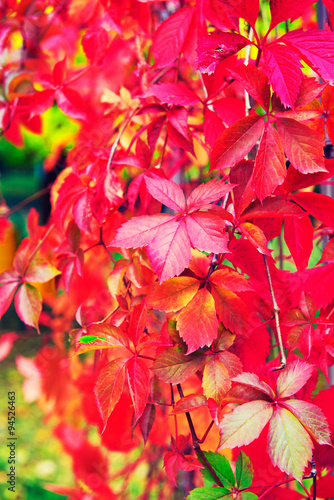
[(183, 284)]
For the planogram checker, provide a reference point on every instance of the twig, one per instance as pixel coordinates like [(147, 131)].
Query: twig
[(276, 312), (196, 445), (28, 200), (248, 49)]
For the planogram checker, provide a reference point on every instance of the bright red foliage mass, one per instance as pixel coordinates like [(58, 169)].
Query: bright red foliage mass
[(200, 140)]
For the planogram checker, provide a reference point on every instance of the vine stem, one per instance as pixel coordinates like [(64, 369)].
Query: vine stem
[(196, 442), (248, 50), (276, 312)]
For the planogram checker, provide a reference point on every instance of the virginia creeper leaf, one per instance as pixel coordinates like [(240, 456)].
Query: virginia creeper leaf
[(101, 336), (284, 72), (206, 232), (298, 235), (173, 366), (243, 471), (207, 193), (244, 9), (197, 322), (109, 387), (178, 94), (312, 418), (167, 192), (139, 384), (281, 10), (316, 48), (254, 81), (269, 169), (293, 378), (221, 466), (252, 380), (208, 493), (289, 445), (173, 294), (244, 424), (28, 305), (189, 403), (216, 380), (303, 146), (236, 141), (178, 33), (147, 420)]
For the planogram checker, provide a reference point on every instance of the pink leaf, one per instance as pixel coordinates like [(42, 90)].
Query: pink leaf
[(9, 281), (178, 94), (206, 232), (94, 43), (318, 205), (284, 72), (169, 252), (28, 305), (137, 322), (140, 231), (316, 48), (71, 103), (253, 380), (176, 34), (207, 193), (167, 192)]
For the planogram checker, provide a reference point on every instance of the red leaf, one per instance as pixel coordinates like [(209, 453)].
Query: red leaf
[(71, 103), (284, 72), (216, 380), (293, 378), (41, 101), (94, 43), (231, 310), (298, 235), (318, 205), (252, 380), (189, 403), (109, 387), (316, 48), (230, 280), (230, 109), (147, 420), (139, 384), (200, 311), (178, 94), (244, 9), (206, 232), (269, 169), (167, 192), (137, 322), (178, 34), (214, 48), (28, 305), (303, 146), (236, 141), (254, 81), (309, 90), (281, 10), (207, 193)]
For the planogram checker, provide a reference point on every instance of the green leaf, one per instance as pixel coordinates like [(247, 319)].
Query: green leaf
[(248, 495), (221, 466), (86, 339), (244, 471), (210, 494)]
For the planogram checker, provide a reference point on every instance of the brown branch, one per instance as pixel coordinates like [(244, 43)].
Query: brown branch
[(196, 445)]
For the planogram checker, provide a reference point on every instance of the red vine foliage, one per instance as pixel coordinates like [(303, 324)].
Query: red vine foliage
[(182, 243)]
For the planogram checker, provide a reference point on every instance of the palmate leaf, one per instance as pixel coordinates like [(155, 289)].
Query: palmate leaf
[(169, 238), (221, 466), (173, 294), (293, 378), (208, 493), (312, 418), (244, 471)]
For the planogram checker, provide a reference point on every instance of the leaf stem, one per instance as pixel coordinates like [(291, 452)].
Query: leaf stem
[(196, 442), (276, 312)]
